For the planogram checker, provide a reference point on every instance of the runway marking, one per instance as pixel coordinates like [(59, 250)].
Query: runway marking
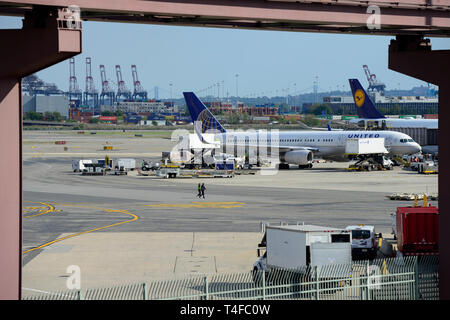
[(199, 204), (134, 218)]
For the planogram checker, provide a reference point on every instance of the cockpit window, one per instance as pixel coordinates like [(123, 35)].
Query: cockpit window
[(403, 140), (410, 140)]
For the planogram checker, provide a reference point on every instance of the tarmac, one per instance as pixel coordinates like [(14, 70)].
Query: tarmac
[(130, 229)]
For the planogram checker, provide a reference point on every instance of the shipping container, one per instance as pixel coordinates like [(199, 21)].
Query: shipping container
[(417, 230), (107, 118)]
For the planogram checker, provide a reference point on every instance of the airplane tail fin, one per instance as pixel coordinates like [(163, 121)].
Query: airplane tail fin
[(364, 106), (203, 119)]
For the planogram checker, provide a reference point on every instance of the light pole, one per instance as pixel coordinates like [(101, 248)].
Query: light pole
[(223, 89), (237, 75), (171, 102), (218, 91)]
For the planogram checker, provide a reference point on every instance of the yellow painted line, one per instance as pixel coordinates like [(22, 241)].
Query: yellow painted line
[(220, 205), (44, 210), (134, 218)]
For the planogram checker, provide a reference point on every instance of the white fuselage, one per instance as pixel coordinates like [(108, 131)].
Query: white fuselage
[(326, 144)]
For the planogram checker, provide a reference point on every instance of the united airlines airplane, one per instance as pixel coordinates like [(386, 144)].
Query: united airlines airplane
[(367, 112), (292, 147)]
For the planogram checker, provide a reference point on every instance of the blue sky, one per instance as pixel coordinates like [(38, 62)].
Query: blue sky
[(192, 59)]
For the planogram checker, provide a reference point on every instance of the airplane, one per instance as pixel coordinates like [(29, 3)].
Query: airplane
[(367, 112), (292, 147)]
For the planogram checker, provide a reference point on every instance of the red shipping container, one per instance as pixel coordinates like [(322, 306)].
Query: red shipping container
[(107, 118), (417, 230)]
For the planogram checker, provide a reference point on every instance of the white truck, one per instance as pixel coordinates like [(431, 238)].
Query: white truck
[(296, 246), (364, 241), (78, 165), (125, 164), (370, 154), (168, 171), (238, 161)]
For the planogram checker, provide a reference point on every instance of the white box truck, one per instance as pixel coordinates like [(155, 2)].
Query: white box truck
[(370, 154), (296, 246), (78, 165)]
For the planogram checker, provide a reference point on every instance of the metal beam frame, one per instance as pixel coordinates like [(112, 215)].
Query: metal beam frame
[(413, 56), (41, 43), (419, 17)]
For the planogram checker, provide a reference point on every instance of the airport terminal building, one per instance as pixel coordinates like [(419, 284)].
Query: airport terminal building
[(418, 105)]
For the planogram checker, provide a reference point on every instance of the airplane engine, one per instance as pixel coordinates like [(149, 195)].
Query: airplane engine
[(300, 157)]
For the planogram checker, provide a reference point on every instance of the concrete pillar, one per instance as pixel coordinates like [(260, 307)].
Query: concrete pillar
[(413, 56), (45, 39)]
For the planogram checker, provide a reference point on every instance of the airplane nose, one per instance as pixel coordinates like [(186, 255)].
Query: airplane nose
[(416, 148)]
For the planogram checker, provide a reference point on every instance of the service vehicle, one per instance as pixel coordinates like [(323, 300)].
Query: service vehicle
[(79, 165), (227, 165), (364, 242), (427, 167), (238, 161), (125, 164), (168, 171), (106, 162), (149, 166), (370, 154), (296, 246)]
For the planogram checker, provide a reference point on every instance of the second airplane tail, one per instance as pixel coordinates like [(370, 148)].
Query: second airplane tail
[(364, 106)]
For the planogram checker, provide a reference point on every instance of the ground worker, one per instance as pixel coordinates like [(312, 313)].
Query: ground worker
[(199, 189), (203, 188)]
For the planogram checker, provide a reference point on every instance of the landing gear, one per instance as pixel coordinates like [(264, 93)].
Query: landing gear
[(305, 166), (283, 166)]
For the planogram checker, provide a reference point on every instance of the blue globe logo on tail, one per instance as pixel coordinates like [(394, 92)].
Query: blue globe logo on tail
[(208, 122)]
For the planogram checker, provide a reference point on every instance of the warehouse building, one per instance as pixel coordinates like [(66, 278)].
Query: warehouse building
[(42, 104)]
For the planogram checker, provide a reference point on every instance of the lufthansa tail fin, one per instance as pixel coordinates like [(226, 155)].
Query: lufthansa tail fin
[(203, 119), (364, 106)]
